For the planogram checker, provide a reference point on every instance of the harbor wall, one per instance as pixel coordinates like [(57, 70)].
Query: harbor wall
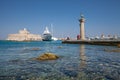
[(94, 42)]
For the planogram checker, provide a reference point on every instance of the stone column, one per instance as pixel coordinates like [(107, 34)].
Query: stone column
[(82, 31)]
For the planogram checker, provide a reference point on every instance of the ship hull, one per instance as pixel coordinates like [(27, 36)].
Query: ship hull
[(47, 37)]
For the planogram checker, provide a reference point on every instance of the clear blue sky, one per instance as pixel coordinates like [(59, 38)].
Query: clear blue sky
[(102, 16)]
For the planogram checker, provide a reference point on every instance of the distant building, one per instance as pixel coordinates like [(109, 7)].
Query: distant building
[(24, 35)]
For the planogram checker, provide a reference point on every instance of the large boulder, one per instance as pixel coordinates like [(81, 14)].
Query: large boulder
[(118, 45), (47, 56)]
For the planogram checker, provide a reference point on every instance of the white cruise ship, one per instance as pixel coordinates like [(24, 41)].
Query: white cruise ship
[(47, 36)]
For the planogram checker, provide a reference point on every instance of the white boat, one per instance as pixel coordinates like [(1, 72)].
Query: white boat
[(47, 36), (54, 38)]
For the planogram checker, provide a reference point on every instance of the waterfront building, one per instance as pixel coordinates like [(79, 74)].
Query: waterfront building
[(82, 31), (24, 35)]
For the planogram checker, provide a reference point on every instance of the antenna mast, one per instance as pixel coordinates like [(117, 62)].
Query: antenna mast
[(52, 29)]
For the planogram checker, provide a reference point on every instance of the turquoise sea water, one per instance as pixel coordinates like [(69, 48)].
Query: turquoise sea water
[(76, 62)]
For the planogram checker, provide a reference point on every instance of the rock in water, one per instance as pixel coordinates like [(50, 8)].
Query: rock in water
[(35, 49), (59, 46), (113, 50), (47, 56), (118, 45)]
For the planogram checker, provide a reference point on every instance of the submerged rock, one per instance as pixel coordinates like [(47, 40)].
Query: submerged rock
[(59, 47), (113, 50), (47, 56), (35, 49), (28, 50)]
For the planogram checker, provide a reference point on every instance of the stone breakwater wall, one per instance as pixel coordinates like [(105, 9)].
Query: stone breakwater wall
[(94, 42)]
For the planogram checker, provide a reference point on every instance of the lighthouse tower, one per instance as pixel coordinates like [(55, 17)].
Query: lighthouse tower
[(82, 31)]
